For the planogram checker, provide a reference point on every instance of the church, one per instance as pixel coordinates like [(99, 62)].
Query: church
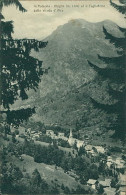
[(72, 140)]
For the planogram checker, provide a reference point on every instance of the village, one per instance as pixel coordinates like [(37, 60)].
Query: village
[(113, 163)]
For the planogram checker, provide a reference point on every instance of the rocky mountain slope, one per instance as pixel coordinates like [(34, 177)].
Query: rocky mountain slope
[(63, 95)]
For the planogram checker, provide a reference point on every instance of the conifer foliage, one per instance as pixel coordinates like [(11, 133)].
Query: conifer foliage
[(115, 72), (19, 71), (121, 8)]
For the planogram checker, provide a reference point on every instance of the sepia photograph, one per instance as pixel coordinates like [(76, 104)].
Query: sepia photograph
[(63, 97)]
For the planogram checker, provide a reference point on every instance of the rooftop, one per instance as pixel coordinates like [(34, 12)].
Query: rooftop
[(122, 183), (122, 189), (61, 133), (100, 149), (110, 191), (105, 183), (49, 130), (88, 147), (123, 177), (91, 181)]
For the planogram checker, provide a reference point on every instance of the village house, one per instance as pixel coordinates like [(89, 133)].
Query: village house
[(93, 153), (72, 141), (33, 132), (62, 136), (122, 180), (29, 130), (100, 149), (121, 191), (106, 183), (36, 135), (89, 149), (50, 133), (109, 191), (80, 143), (17, 136), (109, 161), (87, 138), (119, 163), (92, 183)]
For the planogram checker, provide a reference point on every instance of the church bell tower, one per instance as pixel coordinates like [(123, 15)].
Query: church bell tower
[(71, 135)]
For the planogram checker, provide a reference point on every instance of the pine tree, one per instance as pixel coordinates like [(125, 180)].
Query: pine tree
[(115, 73), (19, 71), (119, 8), (36, 178)]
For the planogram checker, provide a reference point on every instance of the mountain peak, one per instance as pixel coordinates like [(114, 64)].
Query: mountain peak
[(63, 91)]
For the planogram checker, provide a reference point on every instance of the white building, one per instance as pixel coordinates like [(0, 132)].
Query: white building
[(50, 133), (110, 191), (100, 149), (33, 132), (118, 162), (110, 161), (29, 130), (62, 136), (122, 180), (89, 149), (72, 140), (106, 183), (80, 143), (121, 191), (92, 183)]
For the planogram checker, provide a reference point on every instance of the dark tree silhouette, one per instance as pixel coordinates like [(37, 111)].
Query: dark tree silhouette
[(12, 2), (115, 72), (119, 8), (19, 71)]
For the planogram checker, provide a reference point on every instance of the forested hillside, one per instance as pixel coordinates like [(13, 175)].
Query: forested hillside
[(65, 93)]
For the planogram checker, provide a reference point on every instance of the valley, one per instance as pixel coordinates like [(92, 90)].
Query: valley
[(68, 146)]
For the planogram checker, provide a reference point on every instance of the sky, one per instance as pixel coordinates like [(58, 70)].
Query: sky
[(39, 25)]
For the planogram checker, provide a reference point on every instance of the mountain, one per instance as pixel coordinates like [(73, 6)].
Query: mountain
[(63, 95)]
